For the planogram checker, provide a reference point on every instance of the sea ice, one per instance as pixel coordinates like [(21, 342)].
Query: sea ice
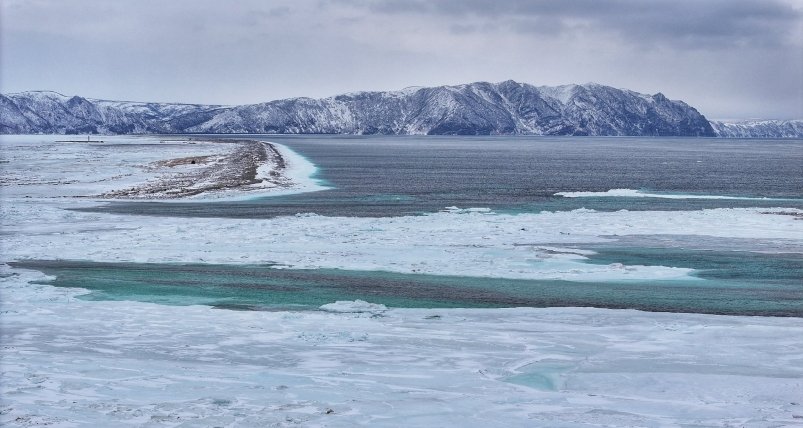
[(631, 193), (71, 362), (473, 242), (354, 306)]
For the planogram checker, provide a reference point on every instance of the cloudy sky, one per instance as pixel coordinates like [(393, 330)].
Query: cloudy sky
[(731, 59)]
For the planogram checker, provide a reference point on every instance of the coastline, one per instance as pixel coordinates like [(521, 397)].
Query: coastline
[(253, 169), (148, 168)]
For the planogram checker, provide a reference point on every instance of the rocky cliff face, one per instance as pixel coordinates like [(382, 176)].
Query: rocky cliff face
[(759, 129), (480, 108), (53, 113)]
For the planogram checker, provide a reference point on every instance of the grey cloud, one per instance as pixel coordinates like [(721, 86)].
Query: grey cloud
[(258, 17), (463, 28), (730, 59), (679, 23), (279, 11)]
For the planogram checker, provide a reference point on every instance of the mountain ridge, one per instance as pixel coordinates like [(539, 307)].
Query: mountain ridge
[(479, 108), (762, 128)]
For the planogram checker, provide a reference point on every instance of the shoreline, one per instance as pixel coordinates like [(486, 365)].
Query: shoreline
[(252, 166)]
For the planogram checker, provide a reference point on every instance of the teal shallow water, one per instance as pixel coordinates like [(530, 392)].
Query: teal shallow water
[(730, 282), (397, 176)]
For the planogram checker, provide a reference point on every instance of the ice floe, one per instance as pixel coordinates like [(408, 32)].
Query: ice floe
[(354, 306), (631, 193)]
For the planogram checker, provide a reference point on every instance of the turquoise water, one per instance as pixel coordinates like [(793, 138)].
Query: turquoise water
[(729, 283), (738, 269), (396, 176), (544, 375)]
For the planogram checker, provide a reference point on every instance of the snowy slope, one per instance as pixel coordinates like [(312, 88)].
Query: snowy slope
[(479, 108), (759, 129), (53, 113)]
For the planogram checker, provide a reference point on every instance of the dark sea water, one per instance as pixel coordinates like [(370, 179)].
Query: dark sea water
[(398, 176), (394, 176)]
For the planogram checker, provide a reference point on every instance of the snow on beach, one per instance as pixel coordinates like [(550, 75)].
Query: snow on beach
[(37, 166), (70, 362)]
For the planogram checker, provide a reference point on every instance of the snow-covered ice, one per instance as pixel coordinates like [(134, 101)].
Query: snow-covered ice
[(632, 193), (473, 244), (70, 362), (355, 306)]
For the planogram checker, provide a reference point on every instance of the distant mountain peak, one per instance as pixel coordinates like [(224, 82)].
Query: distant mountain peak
[(42, 92), (479, 108)]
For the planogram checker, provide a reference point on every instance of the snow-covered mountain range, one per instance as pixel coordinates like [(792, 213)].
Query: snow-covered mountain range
[(479, 108), (759, 128)]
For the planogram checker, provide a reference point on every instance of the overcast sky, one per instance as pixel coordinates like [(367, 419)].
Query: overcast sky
[(730, 59)]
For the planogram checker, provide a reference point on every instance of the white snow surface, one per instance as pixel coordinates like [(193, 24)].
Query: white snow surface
[(758, 128), (69, 362), (37, 166), (561, 93), (355, 306), (299, 176)]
